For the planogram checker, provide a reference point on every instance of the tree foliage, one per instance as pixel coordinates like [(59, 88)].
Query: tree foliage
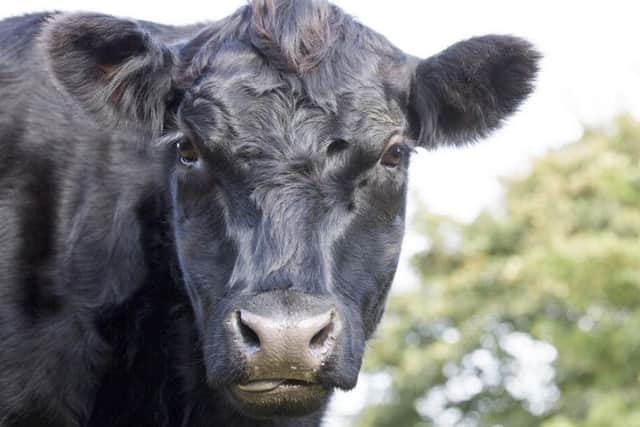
[(529, 316)]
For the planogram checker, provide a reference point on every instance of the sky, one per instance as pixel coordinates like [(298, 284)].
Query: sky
[(590, 73)]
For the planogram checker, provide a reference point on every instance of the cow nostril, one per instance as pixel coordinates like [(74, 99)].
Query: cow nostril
[(249, 337), (322, 341)]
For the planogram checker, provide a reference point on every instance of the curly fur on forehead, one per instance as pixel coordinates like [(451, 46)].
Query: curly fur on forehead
[(312, 44), (297, 35)]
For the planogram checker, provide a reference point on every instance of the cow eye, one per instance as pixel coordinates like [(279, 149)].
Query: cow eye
[(393, 155), (187, 153)]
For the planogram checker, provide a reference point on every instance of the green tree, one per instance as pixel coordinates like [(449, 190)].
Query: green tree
[(529, 316)]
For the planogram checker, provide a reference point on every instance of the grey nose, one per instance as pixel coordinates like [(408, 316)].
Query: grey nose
[(287, 345)]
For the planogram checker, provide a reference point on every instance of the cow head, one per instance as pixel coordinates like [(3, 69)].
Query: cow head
[(288, 129)]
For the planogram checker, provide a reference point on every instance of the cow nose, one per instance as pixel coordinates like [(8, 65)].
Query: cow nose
[(285, 345)]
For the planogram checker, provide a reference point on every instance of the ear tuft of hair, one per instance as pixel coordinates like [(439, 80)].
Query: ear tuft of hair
[(112, 67), (466, 91)]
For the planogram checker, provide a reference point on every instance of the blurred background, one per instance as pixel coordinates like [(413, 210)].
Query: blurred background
[(517, 301)]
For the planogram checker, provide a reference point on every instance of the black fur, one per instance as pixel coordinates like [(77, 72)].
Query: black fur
[(99, 58), (466, 91), (118, 262)]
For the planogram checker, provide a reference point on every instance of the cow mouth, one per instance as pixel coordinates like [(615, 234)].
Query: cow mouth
[(279, 397)]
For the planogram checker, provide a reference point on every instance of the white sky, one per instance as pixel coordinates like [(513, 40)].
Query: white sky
[(591, 71)]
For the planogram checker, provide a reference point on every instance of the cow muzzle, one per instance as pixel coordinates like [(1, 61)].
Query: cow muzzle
[(286, 339)]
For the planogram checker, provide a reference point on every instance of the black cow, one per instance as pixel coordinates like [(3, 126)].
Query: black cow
[(199, 225)]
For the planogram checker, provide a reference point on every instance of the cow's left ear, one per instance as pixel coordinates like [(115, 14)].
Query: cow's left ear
[(466, 91), (111, 66)]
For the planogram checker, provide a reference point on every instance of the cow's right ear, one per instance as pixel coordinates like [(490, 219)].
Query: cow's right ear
[(470, 88), (112, 67)]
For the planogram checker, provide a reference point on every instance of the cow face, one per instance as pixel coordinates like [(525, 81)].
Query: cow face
[(303, 208), (287, 130)]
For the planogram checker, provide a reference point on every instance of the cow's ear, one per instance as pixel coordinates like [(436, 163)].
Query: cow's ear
[(111, 66), (466, 91)]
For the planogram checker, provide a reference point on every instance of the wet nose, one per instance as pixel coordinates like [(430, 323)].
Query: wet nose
[(286, 344)]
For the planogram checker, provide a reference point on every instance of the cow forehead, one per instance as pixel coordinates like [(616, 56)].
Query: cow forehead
[(260, 104), (278, 135)]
